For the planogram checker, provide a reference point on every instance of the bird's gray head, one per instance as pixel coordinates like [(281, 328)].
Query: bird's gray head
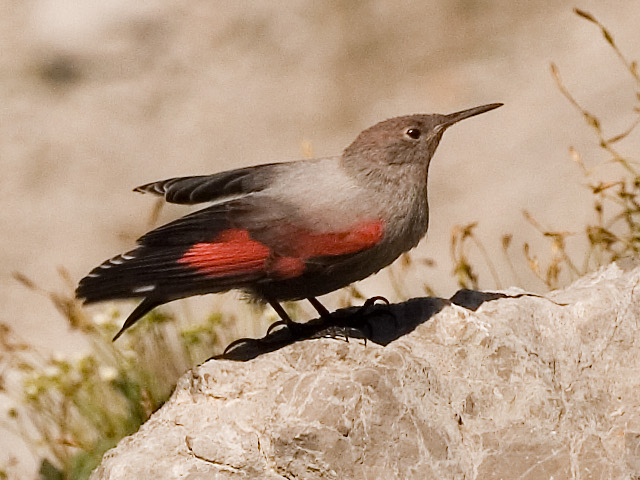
[(408, 139)]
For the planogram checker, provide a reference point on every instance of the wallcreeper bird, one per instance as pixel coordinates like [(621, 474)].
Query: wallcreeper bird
[(285, 231)]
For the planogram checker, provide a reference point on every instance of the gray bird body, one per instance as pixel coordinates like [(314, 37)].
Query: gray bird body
[(286, 231)]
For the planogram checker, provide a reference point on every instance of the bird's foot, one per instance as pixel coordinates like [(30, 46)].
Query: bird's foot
[(241, 341), (296, 330), (356, 324), (343, 325), (365, 312), (274, 326), (341, 332), (372, 301)]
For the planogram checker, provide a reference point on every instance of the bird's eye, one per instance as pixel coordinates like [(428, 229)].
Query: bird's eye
[(413, 133)]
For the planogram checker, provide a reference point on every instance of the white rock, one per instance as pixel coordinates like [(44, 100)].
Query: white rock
[(521, 388)]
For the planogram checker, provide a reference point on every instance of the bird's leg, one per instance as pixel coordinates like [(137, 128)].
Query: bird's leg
[(280, 311), (321, 309), (357, 323), (286, 320), (332, 331), (336, 326), (353, 325)]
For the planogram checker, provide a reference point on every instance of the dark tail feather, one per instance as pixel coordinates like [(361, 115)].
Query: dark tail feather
[(136, 274), (140, 311), (156, 276), (122, 276)]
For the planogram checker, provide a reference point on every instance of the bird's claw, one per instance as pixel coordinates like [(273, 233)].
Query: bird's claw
[(275, 325), (358, 322), (240, 341), (354, 325), (341, 331), (296, 332), (372, 301)]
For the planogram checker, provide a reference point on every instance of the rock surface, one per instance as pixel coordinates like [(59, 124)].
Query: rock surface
[(525, 387)]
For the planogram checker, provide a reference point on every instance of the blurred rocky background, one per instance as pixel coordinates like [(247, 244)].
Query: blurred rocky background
[(99, 97)]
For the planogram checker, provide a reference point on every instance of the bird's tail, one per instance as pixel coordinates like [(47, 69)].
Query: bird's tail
[(140, 311), (157, 275), (135, 274)]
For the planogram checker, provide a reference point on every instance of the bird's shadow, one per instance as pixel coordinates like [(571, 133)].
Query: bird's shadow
[(379, 323)]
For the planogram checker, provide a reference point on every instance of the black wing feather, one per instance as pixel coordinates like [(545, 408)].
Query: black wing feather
[(151, 273), (208, 188), (199, 226), (155, 262)]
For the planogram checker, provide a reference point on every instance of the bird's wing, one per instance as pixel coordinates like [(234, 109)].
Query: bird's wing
[(227, 245), (265, 233), (211, 188), (264, 220), (155, 267), (224, 246)]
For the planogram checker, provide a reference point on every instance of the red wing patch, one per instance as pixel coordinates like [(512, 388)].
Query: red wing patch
[(234, 252), (307, 245), (287, 267)]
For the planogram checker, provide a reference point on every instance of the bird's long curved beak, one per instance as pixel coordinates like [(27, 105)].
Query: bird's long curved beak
[(452, 118)]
